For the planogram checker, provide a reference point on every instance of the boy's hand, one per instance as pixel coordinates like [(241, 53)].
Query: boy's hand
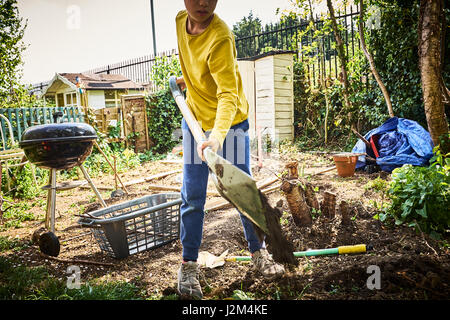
[(212, 142), (180, 82)]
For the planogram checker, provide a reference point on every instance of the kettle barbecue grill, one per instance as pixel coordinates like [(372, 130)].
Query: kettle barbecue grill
[(58, 146)]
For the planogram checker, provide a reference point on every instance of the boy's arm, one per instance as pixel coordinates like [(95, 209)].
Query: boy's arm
[(222, 66)]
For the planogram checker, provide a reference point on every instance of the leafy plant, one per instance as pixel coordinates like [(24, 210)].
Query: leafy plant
[(23, 283), (421, 195), (163, 114)]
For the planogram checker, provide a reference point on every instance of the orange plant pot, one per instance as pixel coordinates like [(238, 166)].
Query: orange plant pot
[(345, 164)]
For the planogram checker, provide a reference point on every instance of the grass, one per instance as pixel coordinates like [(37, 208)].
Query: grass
[(18, 282)]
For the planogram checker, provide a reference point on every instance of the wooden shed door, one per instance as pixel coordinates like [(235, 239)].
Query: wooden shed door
[(135, 122)]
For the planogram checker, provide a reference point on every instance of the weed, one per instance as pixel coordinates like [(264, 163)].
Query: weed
[(241, 295), (25, 283), (8, 243)]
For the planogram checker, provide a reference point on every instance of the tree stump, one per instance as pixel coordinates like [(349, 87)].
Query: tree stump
[(328, 206), (292, 170), (311, 198), (295, 196), (344, 211)]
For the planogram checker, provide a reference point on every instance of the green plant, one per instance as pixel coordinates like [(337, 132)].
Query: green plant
[(17, 212), (164, 117), (420, 196), (22, 183), (8, 243), (162, 111), (19, 282), (241, 295)]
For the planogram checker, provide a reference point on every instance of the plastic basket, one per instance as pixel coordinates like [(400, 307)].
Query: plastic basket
[(135, 226)]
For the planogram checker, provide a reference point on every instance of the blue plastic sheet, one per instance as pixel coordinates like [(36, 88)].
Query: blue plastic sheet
[(399, 141)]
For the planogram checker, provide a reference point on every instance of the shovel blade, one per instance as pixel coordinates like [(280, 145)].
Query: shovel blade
[(237, 187)]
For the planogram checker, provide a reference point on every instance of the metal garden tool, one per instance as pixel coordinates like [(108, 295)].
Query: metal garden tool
[(233, 184)]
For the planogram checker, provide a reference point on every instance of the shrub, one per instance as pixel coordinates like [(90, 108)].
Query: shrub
[(163, 114), (420, 196)]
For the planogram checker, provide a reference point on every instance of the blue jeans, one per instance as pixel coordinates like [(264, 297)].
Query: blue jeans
[(236, 149)]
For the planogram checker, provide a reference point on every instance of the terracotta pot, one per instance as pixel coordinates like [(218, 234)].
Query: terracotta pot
[(345, 164)]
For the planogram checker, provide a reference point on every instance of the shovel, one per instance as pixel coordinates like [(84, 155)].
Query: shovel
[(232, 183)]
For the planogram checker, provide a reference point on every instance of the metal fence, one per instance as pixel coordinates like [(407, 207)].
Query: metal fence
[(294, 35), (138, 70)]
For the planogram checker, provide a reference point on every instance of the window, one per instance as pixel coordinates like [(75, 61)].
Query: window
[(71, 99), (113, 98)]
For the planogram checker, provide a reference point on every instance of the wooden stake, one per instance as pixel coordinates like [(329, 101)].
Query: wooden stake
[(75, 261), (106, 158)]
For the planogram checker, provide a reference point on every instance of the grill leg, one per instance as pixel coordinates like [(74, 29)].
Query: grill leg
[(51, 202), (86, 176)]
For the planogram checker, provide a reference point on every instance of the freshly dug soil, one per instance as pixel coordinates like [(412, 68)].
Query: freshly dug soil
[(412, 266)]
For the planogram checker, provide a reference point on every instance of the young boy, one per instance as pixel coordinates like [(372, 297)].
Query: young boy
[(215, 96)]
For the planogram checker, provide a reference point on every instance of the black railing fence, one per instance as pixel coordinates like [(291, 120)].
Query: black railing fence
[(295, 35), (287, 35)]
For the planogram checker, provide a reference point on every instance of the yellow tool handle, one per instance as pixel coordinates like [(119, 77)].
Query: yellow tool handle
[(359, 248)]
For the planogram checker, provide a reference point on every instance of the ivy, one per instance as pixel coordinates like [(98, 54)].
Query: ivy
[(164, 117), (162, 112)]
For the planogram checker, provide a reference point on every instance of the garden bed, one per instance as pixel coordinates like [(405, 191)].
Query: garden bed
[(412, 265)]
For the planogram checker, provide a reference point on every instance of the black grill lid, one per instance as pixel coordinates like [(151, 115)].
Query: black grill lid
[(68, 131)]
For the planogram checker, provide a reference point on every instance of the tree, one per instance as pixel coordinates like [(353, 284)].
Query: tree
[(12, 29), (247, 26), (430, 28), (371, 60), (342, 58)]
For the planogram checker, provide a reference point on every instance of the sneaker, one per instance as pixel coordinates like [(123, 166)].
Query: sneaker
[(265, 264), (188, 283)]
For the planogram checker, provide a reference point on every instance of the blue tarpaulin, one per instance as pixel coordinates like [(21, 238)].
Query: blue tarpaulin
[(398, 142)]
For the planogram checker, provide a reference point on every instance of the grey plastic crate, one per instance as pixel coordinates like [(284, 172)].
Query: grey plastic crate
[(136, 225)]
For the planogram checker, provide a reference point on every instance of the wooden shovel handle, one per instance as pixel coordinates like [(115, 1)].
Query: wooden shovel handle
[(191, 121)]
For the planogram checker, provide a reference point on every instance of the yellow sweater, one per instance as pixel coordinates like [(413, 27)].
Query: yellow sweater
[(214, 86)]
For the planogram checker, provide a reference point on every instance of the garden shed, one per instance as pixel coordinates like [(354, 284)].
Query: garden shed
[(268, 84)]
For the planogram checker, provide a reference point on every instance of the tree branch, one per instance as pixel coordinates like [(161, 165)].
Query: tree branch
[(371, 61)]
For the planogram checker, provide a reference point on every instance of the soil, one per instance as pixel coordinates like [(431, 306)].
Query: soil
[(411, 265)]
